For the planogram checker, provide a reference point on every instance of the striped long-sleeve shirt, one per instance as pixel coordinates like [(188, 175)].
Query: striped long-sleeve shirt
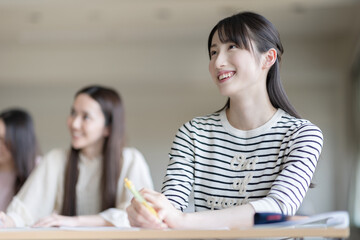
[(270, 167)]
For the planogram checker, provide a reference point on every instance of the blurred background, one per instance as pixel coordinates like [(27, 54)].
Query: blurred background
[(154, 52)]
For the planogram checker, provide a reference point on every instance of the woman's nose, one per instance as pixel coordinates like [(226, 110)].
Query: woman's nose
[(220, 60), (76, 122)]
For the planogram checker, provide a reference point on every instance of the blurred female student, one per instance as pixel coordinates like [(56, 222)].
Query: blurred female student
[(254, 155), (84, 186), (18, 152)]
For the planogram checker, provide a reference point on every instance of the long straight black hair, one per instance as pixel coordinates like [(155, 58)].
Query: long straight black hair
[(20, 140), (246, 28), (113, 110)]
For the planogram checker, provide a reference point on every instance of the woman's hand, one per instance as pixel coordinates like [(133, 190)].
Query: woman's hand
[(140, 216), (55, 220), (6, 221)]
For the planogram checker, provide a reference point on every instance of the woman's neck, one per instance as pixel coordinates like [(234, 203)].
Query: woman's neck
[(93, 152), (8, 166), (248, 114)]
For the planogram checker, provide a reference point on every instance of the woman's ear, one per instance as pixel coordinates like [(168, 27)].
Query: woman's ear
[(269, 58)]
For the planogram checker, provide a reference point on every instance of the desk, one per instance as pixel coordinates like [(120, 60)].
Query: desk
[(113, 233)]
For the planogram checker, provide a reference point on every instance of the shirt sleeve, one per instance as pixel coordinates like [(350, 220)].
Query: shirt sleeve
[(136, 169), (179, 178), (37, 197), (289, 188)]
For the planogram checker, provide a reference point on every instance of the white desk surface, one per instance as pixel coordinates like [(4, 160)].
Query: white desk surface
[(114, 233)]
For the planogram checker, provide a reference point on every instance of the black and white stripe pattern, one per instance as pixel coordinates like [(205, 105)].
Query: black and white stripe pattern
[(271, 166)]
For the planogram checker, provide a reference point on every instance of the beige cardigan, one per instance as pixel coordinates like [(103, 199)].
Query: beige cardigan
[(42, 194)]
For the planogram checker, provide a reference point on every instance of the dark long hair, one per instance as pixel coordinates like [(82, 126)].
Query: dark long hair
[(113, 110), (246, 28), (20, 140)]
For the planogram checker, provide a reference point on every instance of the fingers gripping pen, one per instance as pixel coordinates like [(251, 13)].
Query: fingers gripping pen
[(129, 185)]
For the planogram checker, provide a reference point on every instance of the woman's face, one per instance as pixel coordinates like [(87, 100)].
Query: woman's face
[(234, 70), (5, 154), (87, 125)]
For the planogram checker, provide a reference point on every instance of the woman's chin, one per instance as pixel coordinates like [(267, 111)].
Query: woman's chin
[(76, 146)]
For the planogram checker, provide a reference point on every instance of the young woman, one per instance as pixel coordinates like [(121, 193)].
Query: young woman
[(254, 155), (18, 152), (83, 186)]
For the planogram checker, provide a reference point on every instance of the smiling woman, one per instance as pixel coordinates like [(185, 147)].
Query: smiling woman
[(254, 155), (83, 186)]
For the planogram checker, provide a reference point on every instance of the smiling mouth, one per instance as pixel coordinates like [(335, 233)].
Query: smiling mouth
[(76, 135), (225, 76)]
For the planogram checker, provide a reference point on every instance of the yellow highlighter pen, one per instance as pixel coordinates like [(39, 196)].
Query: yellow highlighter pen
[(129, 185)]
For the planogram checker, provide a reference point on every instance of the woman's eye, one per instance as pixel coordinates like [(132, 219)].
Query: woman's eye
[(72, 113), (86, 117), (232, 46), (212, 53)]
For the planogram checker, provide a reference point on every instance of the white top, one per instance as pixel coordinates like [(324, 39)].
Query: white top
[(7, 183), (270, 167), (42, 194)]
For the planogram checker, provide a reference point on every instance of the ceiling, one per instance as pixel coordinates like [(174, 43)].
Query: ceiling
[(46, 21), (171, 24)]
